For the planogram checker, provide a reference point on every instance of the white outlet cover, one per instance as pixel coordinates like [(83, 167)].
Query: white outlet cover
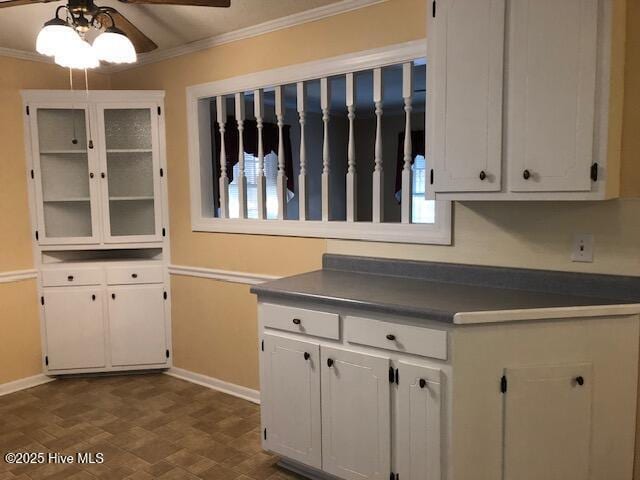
[(582, 248)]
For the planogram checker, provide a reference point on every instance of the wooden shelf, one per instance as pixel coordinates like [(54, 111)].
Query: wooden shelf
[(129, 150), (62, 152), (60, 200), (129, 199)]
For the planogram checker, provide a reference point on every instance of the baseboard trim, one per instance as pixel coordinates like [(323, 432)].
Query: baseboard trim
[(215, 384), (303, 470), (24, 383)]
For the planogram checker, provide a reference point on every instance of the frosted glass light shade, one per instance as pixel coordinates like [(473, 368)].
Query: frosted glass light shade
[(54, 37), (115, 47), (77, 54)]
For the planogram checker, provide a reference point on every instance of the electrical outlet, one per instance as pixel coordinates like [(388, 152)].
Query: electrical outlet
[(582, 248)]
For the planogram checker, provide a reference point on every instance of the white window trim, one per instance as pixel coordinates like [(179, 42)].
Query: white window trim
[(200, 172)]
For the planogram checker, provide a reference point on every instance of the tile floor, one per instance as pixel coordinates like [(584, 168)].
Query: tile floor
[(147, 426)]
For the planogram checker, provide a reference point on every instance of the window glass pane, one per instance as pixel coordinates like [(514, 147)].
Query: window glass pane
[(423, 211)]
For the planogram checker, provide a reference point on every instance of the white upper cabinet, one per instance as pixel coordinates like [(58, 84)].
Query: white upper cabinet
[(465, 72), (534, 127), (97, 167), (551, 101)]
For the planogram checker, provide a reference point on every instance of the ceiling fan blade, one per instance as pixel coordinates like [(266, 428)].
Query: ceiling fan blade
[(17, 3), (196, 3), (141, 42)]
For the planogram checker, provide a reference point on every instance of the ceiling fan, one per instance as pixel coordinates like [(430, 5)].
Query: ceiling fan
[(118, 42)]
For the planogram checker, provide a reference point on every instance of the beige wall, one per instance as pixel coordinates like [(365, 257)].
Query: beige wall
[(20, 354)]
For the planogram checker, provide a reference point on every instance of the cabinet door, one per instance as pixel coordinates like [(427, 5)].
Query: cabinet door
[(137, 325), (291, 399), (74, 323), (131, 165), (355, 415), (419, 422), (551, 84), (547, 422), (464, 99), (64, 174)]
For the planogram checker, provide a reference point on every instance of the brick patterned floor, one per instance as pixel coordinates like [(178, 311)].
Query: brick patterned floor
[(147, 426)]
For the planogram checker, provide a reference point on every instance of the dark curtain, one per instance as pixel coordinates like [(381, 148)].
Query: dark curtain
[(250, 135), (417, 148)]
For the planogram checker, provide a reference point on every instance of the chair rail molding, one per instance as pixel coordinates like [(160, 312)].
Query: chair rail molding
[(223, 275), (18, 275)]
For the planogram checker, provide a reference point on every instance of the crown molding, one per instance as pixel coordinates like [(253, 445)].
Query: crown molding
[(300, 18), (288, 21)]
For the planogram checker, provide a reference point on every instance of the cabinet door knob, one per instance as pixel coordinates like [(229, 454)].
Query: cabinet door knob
[(329, 362), (102, 175), (93, 297), (526, 174), (307, 356), (70, 278), (483, 175), (113, 295), (423, 383), (134, 275), (297, 321), (580, 380), (91, 175), (391, 337)]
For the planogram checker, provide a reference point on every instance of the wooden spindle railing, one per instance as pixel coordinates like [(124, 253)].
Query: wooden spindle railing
[(325, 105), (352, 192), (282, 177), (221, 111), (261, 179), (378, 170), (303, 196), (407, 175), (242, 178)]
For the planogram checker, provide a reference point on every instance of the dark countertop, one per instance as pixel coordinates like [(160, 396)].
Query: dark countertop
[(428, 299)]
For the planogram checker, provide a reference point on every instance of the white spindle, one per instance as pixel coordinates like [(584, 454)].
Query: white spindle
[(282, 178), (407, 93), (378, 172), (242, 179), (261, 179), (352, 194), (221, 110), (303, 198), (325, 105)]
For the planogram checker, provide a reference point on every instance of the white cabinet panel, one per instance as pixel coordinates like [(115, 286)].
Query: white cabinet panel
[(419, 422), (465, 72), (551, 94), (74, 323), (355, 415), (137, 325), (291, 399), (547, 422), (301, 320)]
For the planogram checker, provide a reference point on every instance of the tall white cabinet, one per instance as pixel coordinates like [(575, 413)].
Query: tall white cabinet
[(97, 185)]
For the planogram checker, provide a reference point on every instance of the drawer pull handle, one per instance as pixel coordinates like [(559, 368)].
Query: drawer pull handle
[(113, 295), (580, 380), (391, 337), (70, 278), (93, 297), (297, 321), (483, 175), (526, 174), (329, 362), (134, 275), (423, 383), (307, 356)]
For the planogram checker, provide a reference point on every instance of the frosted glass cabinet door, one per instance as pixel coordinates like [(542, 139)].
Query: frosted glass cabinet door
[(64, 175), (131, 163)]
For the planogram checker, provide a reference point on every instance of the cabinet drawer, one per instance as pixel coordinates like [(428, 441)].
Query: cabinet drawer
[(392, 336), (300, 320), (72, 276), (135, 274)]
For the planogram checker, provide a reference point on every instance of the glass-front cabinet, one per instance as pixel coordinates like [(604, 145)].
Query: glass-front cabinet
[(97, 172)]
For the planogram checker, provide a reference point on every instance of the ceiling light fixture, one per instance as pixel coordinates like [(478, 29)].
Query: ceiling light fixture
[(64, 39)]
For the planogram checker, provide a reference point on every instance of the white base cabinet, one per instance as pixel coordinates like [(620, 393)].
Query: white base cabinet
[(104, 327), (548, 399)]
